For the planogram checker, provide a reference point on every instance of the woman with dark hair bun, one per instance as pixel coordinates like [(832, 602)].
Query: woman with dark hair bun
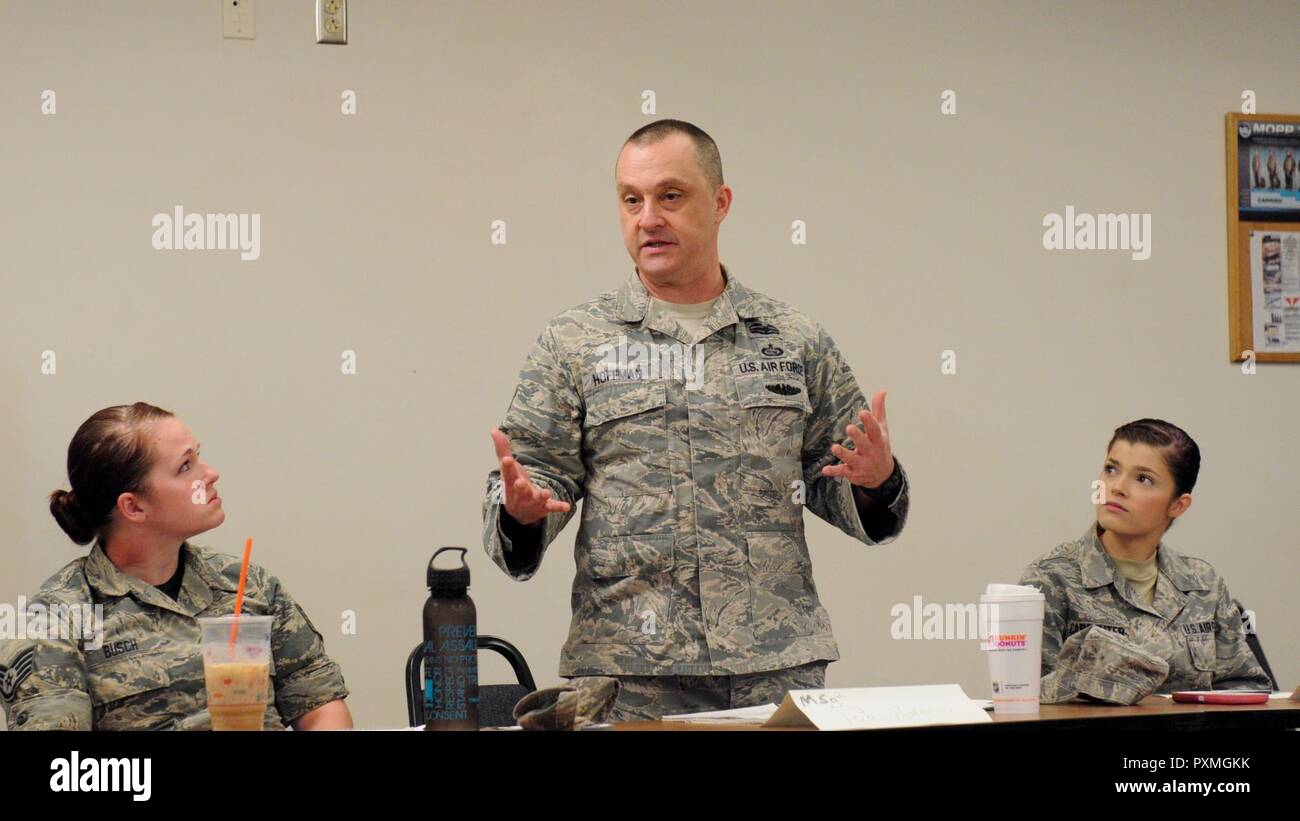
[(1125, 615), (140, 491)]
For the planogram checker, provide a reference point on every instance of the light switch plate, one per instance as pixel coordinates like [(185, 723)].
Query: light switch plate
[(238, 19), (332, 21)]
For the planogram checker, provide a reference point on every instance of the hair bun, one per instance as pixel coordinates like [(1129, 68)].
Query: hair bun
[(71, 516)]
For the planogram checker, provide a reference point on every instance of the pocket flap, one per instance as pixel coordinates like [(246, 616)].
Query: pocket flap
[(129, 675), (784, 390), (618, 400), (640, 555)]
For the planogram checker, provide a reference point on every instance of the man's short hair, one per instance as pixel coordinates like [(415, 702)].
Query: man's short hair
[(706, 150)]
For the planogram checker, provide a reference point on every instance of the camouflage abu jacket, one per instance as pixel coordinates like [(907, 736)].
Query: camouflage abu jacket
[(1192, 623), (694, 456), (145, 670)]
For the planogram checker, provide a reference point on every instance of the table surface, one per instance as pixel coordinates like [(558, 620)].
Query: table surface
[(1152, 711)]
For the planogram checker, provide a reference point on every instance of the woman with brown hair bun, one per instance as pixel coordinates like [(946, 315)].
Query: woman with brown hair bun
[(140, 491)]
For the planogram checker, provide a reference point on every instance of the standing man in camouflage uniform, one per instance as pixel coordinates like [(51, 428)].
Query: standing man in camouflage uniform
[(697, 418)]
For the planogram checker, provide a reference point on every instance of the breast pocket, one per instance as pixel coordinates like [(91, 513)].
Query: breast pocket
[(626, 437), (1204, 655), (628, 595), (133, 692), (773, 413)]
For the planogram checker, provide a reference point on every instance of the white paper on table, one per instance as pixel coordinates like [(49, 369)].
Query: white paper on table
[(874, 707), (740, 715)]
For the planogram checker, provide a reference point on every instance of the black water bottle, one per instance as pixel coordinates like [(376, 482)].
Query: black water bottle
[(450, 649)]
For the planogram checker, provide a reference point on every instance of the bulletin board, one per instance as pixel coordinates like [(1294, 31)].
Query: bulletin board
[(1263, 158)]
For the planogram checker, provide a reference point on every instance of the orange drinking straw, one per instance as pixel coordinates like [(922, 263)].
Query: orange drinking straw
[(239, 595)]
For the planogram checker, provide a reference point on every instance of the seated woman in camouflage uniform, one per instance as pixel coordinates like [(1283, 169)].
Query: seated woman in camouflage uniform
[(140, 490), (1125, 615)]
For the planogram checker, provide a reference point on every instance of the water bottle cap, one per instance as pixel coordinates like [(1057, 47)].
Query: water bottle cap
[(448, 581)]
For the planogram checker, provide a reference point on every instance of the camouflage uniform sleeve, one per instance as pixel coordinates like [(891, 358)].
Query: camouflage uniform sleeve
[(836, 400), (305, 677), (1236, 667), (1055, 609), (545, 430), (43, 684)]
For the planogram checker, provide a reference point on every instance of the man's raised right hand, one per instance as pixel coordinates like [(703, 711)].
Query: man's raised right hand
[(525, 502)]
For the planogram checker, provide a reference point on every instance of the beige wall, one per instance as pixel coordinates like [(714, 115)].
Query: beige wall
[(924, 235)]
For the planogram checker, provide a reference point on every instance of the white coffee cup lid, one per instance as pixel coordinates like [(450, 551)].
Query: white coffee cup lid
[(1012, 591)]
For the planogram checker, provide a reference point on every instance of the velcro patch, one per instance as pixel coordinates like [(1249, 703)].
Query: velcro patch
[(784, 389), (11, 677), (117, 648), (1075, 626), (768, 366)]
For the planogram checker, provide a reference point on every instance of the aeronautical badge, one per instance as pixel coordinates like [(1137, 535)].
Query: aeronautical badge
[(759, 328), (784, 389), (11, 677)]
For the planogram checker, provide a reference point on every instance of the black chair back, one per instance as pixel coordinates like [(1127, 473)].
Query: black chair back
[(1252, 641), (496, 702)]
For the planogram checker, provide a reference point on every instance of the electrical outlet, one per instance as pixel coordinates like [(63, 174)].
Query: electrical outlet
[(238, 19), (332, 21)]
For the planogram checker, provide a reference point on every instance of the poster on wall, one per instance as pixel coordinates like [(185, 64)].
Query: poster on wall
[(1263, 169), (1275, 289), (1268, 171)]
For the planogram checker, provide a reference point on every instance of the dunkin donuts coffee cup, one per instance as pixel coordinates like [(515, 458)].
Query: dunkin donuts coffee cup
[(1014, 617), (236, 669)]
